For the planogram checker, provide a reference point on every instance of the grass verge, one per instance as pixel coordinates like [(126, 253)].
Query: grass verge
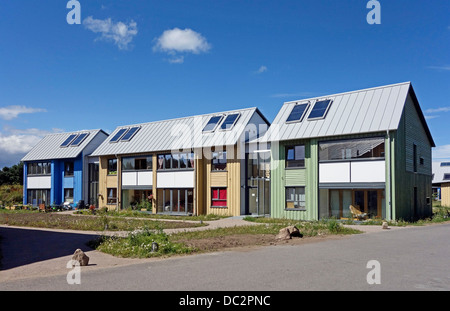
[(89, 223), (138, 244)]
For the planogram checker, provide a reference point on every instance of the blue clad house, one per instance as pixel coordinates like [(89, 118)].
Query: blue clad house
[(56, 170)]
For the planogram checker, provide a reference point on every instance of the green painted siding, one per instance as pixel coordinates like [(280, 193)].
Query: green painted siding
[(295, 177), (411, 132), (280, 178)]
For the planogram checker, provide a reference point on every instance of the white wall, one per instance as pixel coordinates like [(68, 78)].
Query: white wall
[(39, 182), (353, 172), (181, 179), (137, 178)]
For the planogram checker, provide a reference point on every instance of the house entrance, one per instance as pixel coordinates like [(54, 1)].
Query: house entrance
[(258, 183)]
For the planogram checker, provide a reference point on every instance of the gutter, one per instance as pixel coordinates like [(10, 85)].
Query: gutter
[(389, 175)]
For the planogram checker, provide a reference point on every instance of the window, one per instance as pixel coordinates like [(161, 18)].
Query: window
[(112, 196), (446, 177), (212, 123), (415, 157), (219, 197), (367, 148), (112, 166), (176, 161), (68, 169), (40, 168), (77, 141), (295, 156), (68, 140), (445, 163), (118, 135), (421, 161), (130, 134), (295, 198), (230, 121), (320, 109), (38, 196), (297, 113), (144, 163), (219, 161), (68, 195)]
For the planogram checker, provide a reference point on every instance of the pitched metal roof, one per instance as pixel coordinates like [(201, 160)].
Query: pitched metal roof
[(362, 111), (439, 171), (177, 134), (50, 146)]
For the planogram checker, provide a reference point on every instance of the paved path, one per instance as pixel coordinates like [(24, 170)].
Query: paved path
[(35, 252)]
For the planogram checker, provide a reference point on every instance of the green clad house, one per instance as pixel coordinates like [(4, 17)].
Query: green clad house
[(363, 154)]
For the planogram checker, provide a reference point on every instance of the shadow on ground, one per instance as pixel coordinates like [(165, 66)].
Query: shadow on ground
[(21, 246)]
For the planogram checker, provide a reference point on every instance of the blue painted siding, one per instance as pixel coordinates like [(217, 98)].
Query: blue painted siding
[(25, 192)]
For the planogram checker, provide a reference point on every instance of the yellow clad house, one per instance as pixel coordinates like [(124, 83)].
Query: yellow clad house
[(187, 166)]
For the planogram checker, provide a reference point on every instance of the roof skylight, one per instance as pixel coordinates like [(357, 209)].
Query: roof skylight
[(298, 112), (320, 109), (212, 123), (230, 121)]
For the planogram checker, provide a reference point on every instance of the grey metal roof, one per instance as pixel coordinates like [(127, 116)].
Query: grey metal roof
[(439, 171), (49, 147), (177, 134), (362, 111)]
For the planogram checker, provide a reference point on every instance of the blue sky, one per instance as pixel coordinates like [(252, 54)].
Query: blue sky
[(138, 61)]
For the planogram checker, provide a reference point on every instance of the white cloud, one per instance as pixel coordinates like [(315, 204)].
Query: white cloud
[(15, 143), (441, 109), (176, 40), (440, 68), (441, 152), (12, 112), (262, 69), (120, 33)]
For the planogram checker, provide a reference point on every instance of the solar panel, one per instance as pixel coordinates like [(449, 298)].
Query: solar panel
[(229, 121), (77, 141), (212, 123), (129, 135), (68, 140), (297, 113), (320, 109), (118, 135)]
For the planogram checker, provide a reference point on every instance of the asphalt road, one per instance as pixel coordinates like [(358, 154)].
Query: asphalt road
[(410, 259)]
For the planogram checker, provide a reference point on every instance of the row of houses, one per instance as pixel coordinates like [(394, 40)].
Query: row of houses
[(369, 149)]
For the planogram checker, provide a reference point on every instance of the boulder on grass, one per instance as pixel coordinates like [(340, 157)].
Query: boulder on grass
[(81, 257), (288, 232)]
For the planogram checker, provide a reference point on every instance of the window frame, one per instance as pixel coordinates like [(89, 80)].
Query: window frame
[(111, 172), (286, 164), (135, 130), (111, 200), (237, 114), (80, 138), (218, 199), (215, 126), (325, 111), (116, 138), (308, 104), (295, 201), (71, 171), (213, 158), (164, 158)]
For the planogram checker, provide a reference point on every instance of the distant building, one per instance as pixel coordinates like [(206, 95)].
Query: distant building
[(56, 169), (369, 148), (441, 181)]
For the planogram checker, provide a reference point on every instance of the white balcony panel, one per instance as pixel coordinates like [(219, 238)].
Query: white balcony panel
[(145, 178), (334, 172), (129, 179), (39, 182), (181, 179), (368, 171)]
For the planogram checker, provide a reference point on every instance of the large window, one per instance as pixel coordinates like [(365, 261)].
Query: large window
[(176, 161), (38, 196), (112, 196), (219, 161), (177, 201), (366, 148), (137, 163), (68, 195), (295, 156), (219, 197), (295, 198), (40, 168), (112, 167), (68, 169)]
